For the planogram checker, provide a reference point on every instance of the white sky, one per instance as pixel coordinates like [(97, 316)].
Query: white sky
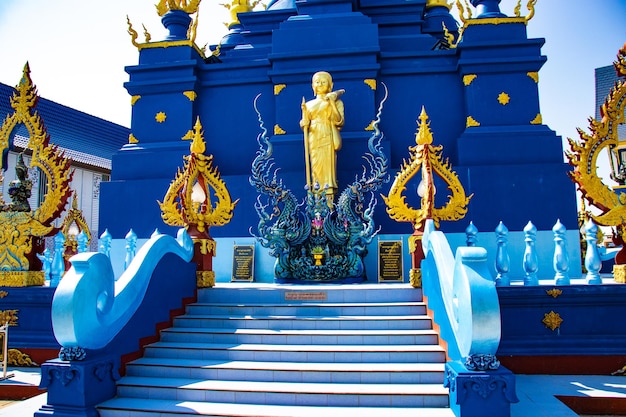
[(78, 49)]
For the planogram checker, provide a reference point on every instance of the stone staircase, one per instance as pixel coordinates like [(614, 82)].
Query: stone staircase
[(279, 350)]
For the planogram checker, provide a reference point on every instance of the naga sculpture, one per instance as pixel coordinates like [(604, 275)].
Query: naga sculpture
[(313, 240)]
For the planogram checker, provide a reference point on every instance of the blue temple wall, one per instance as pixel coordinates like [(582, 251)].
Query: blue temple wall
[(511, 162)]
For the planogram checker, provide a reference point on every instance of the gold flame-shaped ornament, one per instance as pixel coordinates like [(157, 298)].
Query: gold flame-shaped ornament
[(189, 7), (427, 158), (181, 205), (584, 155), (18, 229)]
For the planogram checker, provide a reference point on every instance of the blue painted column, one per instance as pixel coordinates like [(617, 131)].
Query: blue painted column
[(487, 8), (177, 22), (480, 393)]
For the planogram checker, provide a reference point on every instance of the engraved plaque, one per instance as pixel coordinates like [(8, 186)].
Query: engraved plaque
[(390, 261), (243, 263)]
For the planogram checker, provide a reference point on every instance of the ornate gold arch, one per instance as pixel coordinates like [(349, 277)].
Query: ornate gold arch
[(427, 158), (584, 154), (17, 229)]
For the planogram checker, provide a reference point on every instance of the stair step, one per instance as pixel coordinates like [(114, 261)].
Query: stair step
[(272, 336), (285, 393), (133, 407), (309, 309), (395, 373), (305, 322), (246, 293), (298, 353)]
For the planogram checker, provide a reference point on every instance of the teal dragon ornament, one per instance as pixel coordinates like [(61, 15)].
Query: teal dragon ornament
[(312, 240)]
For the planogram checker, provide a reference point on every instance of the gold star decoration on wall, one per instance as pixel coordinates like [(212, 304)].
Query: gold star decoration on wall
[(503, 98), (160, 117)]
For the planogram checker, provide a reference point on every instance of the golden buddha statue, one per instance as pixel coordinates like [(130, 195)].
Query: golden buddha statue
[(322, 120)]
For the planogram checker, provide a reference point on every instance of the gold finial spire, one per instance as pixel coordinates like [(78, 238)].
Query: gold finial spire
[(239, 6), (198, 146), (424, 135)]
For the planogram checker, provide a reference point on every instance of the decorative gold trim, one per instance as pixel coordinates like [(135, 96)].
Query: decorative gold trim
[(436, 3), (467, 79), (205, 279), (74, 215), (9, 316), (496, 21), (371, 83), (427, 160), (191, 95), (504, 98), (555, 292), (370, 126), (449, 36), (415, 277), (134, 99), (3, 294), (278, 88), (584, 155), (534, 75), (132, 138), (178, 208), (537, 120), (167, 44), (17, 228), (21, 278), (619, 273), (207, 246), (187, 6), (471, 122), (552, 320), (160, 117), (17, 358), (278, 130)]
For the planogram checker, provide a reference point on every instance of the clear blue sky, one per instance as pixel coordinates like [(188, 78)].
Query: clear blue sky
[(78, 49)]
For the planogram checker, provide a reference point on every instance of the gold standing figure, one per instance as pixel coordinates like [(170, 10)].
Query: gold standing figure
[(322, 120)]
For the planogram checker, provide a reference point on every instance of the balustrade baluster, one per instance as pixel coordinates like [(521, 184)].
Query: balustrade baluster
[(530, 263), (104, 243), (57, 268), (593, 263), (46, 261), (503, 261), (471, 233), (560, 261), (131, 247), (81, 240)]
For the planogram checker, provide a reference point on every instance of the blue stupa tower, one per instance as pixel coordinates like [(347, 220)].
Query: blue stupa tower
[(480, 92)]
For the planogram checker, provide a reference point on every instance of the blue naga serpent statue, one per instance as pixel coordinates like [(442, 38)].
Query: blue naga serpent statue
[(311, 241)]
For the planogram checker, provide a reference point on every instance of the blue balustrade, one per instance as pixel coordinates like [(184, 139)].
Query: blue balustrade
[(592, 256), (560, 259), (530, 262), (472, 234), (57, 268), (503, 261)]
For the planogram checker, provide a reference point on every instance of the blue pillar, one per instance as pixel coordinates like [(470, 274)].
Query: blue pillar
[(487, 8), (480, 393), (177, 22), (75, 387)]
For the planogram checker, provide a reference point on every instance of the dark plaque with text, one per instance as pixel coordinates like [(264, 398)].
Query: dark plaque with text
[(390, 261), (243, 263)]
